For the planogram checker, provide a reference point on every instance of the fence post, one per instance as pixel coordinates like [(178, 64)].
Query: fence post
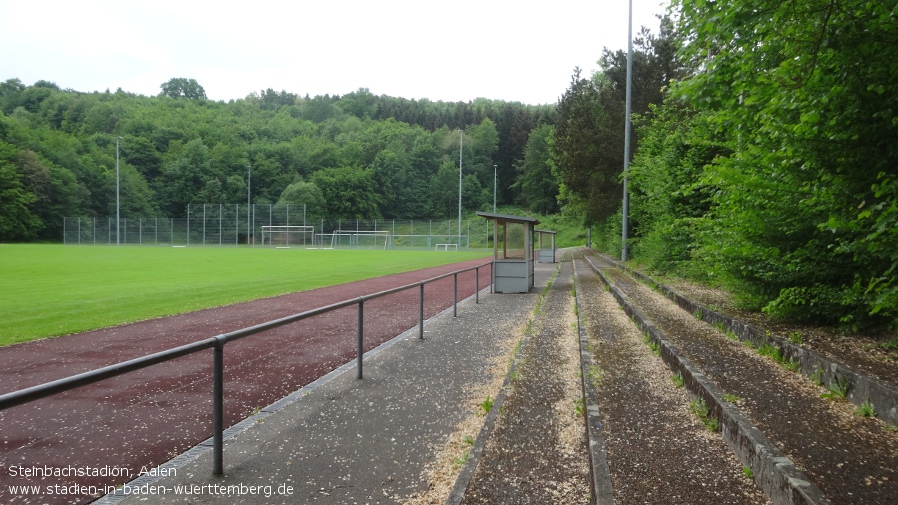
[(359, 345), (455, 295), (421, 314), (477, 285), (217, 408)]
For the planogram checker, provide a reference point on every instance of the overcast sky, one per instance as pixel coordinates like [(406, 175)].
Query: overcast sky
[(441, 50)]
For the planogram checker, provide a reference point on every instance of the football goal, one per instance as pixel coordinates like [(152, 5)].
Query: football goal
[(364, 239), (286, 236), (446, 247)]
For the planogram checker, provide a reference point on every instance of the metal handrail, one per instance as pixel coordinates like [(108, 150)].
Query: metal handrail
[(218, 342)]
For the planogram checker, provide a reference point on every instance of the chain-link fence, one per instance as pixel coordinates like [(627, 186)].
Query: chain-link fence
[(278, 226)]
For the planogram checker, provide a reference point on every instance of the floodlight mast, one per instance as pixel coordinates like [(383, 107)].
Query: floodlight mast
[(494, 188), (117, 200), (626, 203), (461, 143), (249, 170)]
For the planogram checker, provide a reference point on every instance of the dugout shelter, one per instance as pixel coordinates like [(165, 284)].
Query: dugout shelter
[(512, 252), (545, 246)]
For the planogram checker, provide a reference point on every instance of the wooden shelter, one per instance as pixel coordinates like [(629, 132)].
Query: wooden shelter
[(512, 252)]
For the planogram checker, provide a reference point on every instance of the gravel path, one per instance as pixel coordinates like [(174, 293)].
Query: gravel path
[(852, 459), (657, 451), (537, 451)]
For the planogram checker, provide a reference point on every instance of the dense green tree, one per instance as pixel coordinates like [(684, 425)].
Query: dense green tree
[(17, 221), (180, 87), (349, 193), (305, 193), (184, 177), (361, 103), (588, 147), (536, 181), (57, 193), (444, 190), (672, 211), (807, 201)]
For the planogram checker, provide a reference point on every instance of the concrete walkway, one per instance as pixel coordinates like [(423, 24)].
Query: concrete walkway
[(344, 440)]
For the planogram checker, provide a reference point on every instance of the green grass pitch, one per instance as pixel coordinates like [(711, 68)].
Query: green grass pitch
[(51, 290)]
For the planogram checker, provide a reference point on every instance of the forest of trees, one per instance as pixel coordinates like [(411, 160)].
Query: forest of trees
[(765, 156), (351, 156)]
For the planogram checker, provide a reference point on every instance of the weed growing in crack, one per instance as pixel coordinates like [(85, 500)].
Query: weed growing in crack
[(732, 335), (460, 461), (698, 314), (748, 472), (720, 327), (865, 410), (735, 400), (678, 380), (795, 337), (700, 409), (776, 354), (838, 388), (817, 376), (578, 406), (792, 364), (596, 375), (771, 352), (486, 405), (655, 348), (468, 439)]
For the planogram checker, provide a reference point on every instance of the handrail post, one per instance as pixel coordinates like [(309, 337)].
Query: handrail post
[(217, 408), (477, 285), (455, 295), (421, 314), (360, 343), (492, 275)]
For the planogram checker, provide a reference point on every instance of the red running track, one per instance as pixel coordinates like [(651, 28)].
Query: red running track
[(144, 418)]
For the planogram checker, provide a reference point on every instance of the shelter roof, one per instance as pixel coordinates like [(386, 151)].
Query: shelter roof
[(507, 217)]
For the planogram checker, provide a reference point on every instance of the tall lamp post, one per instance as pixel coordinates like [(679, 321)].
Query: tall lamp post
[(626, 204), (249, 171), (117, 200), (461, 143), (494, 189)]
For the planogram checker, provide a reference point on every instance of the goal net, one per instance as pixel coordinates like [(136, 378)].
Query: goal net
[(286, 236), (361, 239)]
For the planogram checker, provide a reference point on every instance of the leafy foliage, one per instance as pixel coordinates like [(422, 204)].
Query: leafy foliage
[(780, 178), (589, 128), (59, 153)]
